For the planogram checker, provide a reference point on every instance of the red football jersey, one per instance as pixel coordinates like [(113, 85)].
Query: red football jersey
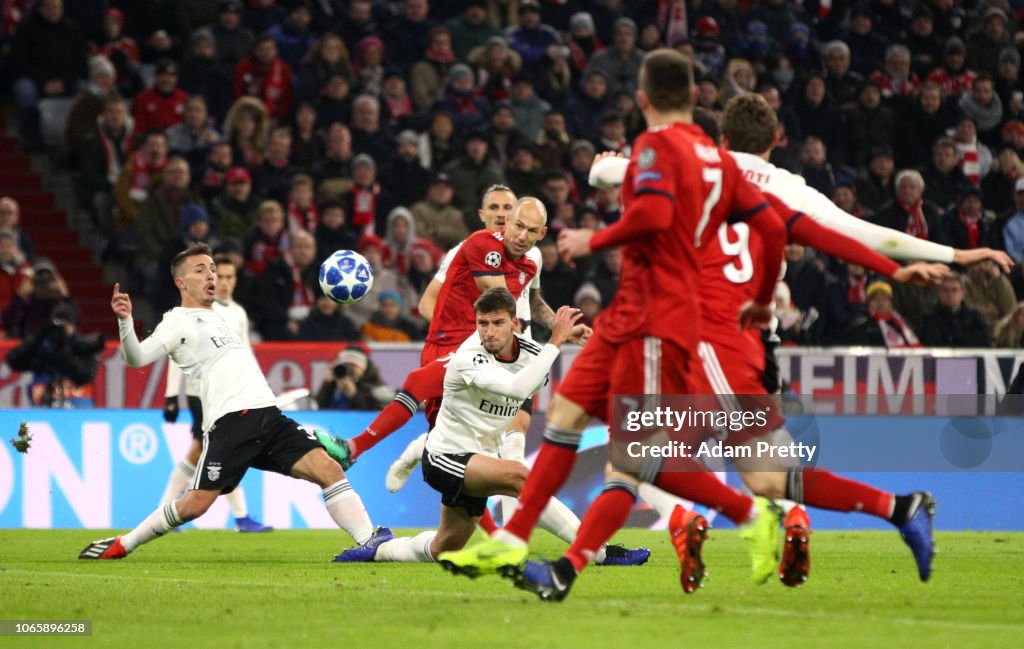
[(483, 253), (658, 293)]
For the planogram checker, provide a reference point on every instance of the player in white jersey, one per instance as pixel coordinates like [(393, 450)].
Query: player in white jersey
[(485, 384), (184, 471), (242, 426)]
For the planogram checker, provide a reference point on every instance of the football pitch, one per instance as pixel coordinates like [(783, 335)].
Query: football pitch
[(222, 589)]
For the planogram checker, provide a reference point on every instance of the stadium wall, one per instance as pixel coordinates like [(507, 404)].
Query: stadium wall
[(108, 468)]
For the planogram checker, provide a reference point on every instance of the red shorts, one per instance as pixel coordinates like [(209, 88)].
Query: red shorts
[(432, 352), (736, 376), (639, 366)]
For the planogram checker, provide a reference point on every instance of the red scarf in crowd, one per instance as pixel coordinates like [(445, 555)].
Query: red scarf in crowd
[(364, 207), (917, 226), (969, 163), (302, 294), (440, 56), (299, 219), (672, 20), (143, 172), (973, 225), (398, 106), (857, 291), (112, 152), (895, 331)]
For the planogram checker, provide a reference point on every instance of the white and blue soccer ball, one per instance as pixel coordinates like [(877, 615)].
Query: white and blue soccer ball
[(346, 277)]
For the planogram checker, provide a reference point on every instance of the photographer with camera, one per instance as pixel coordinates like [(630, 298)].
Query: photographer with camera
[(30, 309), (62, 361), (355, 384)]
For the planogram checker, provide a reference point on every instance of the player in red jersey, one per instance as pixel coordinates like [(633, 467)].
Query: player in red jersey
[(679, 188)]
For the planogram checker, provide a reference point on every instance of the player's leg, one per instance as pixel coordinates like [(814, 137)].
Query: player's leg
[(185, 470), (400, 470)]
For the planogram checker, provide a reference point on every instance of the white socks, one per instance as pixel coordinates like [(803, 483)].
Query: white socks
[(160, 522), (408, 549), (181, 478), (662, 501), (346, 508), (236, 501)]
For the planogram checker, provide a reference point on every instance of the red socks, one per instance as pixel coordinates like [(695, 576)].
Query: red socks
[(827, 490), (606, 516), (550, 471), (704, 488), (487, 522), (394, 415)]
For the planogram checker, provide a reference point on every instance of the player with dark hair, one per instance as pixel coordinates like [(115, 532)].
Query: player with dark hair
[(242, 426), (679, 188), (486, 382)]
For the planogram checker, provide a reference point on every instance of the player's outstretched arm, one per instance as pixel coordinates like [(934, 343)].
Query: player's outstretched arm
[(137, 354), (429, 300), (922, 273), (542, 313), (968, 257)]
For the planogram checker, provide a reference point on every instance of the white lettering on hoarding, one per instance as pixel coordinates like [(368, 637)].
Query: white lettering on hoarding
[(880, 382), (6, 477), (88, 493), (138, 444), (286, 375)]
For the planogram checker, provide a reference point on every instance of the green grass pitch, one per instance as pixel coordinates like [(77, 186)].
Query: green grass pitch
[(225, 590)]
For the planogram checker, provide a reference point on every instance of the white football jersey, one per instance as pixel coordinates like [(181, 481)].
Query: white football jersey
[(483, 394), (212, 356), (523, 302), (236, 318), (792, 190)]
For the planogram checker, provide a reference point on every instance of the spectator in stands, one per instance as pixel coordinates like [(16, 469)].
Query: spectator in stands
[(556, 196), (160, 25), (847, 301), (193, 227), (142, 170), (968, 225), (247, 128), (607, 274), (264, 75), (409, 33), (307, 141), (113, 38), (527, 108), (524, 173), (870, 124), (924, 43), (367, 203), (470, 175), (438, 145), (293, 36), (332, 233), (1013, 136), (534, 42), (48, 56), (10, 215), (161, 211), (707, 46), (369, 136), (581, 158), (423, 261), (620, 64), (204, 75), (985, 44), (195, 134), (846, 199), (588, 300), (333, 172), (30, 309), (408, 178), (267, 240), (355, 383), (388, 325), (288, 288), (920, 124), (368, 65), (820, 117), (327, 56), (236, 210), (89, 103), (100, 156), (435, 216), (384, 279), (396, 104), (326, 322), (274, 176), (586, 106), (867, 46), (503, 134), (496, 65), (1009, 331), (213, 174), (1007, 79), (875, 187), (952, 323), (896, 79), (460, 101), (816, 169), (163, 105), (944, 180), (558, 282), (881, 326), (989, 292), (983, 107), (334, 105), (909, 212), (953, 76), (261, 15), (429, 76), (1013, 224), (998, 185), (302, 213), (233, 39), (15, 270), (471, 29), (360, 23), (841, 83)]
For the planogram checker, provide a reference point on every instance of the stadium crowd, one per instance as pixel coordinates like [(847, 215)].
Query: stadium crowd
[(280, 131)]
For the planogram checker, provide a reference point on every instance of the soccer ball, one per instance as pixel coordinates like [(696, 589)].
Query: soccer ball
[(346, 277)]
